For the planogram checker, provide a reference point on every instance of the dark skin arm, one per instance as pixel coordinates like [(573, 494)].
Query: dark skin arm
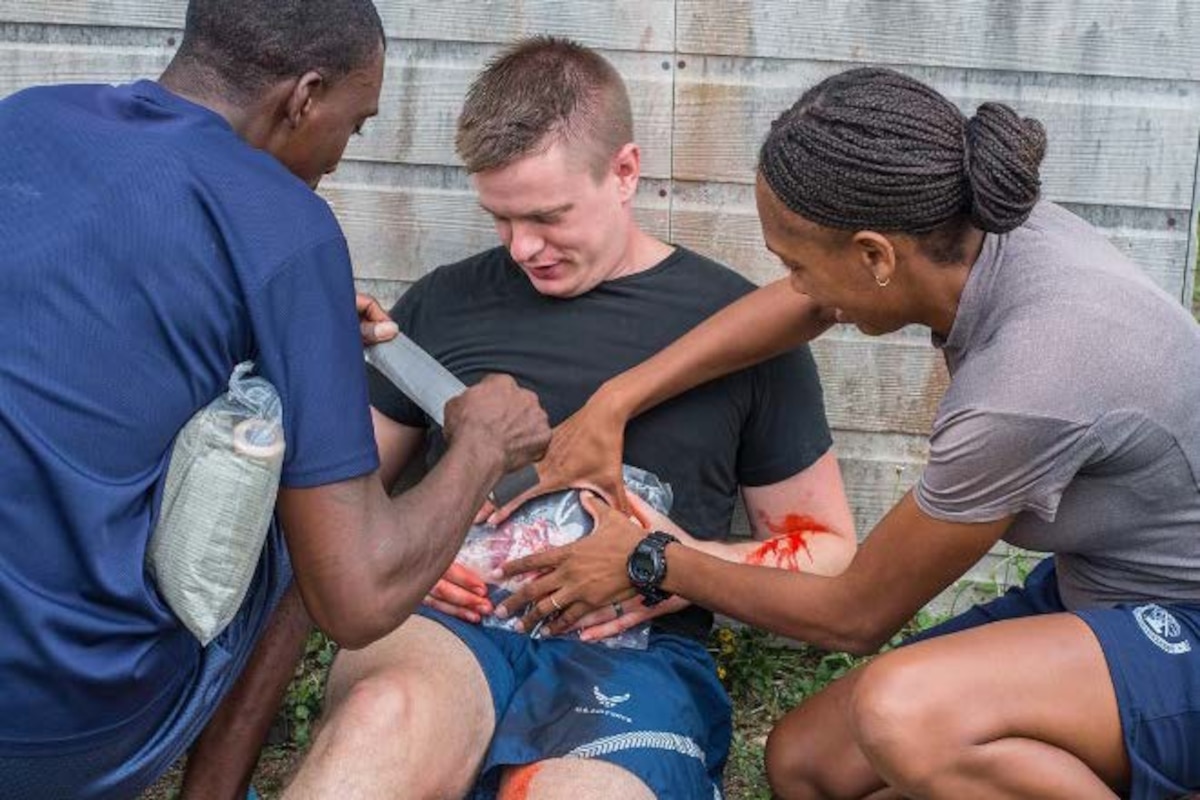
[(908, 558), (363, 561), (460, 592), (585, 451)]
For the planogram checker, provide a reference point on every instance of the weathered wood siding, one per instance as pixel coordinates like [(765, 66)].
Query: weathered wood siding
[(1117, 85)]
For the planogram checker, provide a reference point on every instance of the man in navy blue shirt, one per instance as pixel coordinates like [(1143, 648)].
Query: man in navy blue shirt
[(155, 235)]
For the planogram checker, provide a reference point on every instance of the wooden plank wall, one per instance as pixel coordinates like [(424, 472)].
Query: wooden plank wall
[(1118, 90)]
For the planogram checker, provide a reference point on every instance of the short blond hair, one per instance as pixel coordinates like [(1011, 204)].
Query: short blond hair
[(540, 91)]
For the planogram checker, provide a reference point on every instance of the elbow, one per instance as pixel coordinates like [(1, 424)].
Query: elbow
[(353, 620), (855, 641), (349, 629), (862, 644), (352, 635), (837, 556), (851, 626)]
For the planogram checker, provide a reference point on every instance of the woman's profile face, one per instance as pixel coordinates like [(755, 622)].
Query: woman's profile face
[(832, 270)]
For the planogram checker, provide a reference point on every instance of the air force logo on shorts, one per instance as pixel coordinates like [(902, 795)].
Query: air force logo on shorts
[(606, 701), (1161, 627)]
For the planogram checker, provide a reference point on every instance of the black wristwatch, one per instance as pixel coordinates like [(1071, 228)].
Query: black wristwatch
[(647, 567)]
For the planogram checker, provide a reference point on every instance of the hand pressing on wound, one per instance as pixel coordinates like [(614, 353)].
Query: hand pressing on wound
[(460, 593), (578, 578), (585, 453)]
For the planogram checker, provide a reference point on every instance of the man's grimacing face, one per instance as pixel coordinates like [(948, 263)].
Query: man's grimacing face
[(565, 228)]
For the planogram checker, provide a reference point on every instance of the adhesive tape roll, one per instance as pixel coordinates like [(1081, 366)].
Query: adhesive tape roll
[(257, 438)]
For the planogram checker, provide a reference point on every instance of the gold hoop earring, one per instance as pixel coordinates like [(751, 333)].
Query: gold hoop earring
[(883, 283)]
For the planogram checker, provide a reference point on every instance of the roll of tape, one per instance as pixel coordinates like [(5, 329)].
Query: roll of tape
[(258, 438)]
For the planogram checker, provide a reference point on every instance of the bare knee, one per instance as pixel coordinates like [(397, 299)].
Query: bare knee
[(898, 721), (572, 779), (795, 768), (383, 704), (377, 738)]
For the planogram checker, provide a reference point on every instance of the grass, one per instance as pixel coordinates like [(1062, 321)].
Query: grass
[(765, 678)]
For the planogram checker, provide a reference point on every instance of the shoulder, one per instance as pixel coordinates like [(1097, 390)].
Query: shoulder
[(263, 199), (1055, 251), (717, 279), (488, 264), (56, 95), (462, 283), (462, 278)]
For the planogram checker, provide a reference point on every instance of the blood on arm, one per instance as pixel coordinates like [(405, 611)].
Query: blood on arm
[(783, 550)]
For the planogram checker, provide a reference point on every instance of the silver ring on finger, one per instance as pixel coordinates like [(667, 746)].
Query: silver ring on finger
[(617, 608), (554, 602)]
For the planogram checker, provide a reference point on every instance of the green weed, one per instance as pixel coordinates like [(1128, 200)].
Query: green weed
[(302, 703)]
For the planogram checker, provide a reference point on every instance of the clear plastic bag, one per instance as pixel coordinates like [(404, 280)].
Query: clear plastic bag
[(217, 504), (552, 521)]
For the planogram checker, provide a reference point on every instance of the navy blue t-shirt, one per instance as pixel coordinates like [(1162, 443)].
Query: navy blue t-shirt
[(146, 250)]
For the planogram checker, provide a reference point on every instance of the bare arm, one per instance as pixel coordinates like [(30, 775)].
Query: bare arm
[(585, 451), (908, 558), (363, 560), (397, 444), (802, 523)]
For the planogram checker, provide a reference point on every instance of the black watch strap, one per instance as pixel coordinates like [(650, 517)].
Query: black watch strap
[(647, 567)]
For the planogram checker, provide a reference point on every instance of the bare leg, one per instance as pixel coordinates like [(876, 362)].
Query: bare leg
[(223, 759), (572, 779), (811, 752), (1016, 709), (409, 716)]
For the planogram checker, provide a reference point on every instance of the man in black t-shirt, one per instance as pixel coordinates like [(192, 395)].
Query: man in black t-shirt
[(577, 294)]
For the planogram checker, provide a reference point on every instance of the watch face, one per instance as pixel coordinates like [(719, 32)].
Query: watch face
[(641, 566)]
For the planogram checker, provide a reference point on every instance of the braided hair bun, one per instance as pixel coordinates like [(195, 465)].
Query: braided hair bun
[(872, 148), (1003, 152)]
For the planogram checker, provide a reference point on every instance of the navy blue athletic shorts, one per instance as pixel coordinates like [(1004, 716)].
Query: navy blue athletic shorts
[(121, 765), (1153, 654), (660, 713)]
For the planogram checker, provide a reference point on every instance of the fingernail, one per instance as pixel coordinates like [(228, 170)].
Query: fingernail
[(491, 520), (502, 613), (383, 329), (496, 575), (473, 617)]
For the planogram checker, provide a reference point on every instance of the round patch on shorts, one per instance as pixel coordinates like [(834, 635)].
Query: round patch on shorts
[(1162, 628)]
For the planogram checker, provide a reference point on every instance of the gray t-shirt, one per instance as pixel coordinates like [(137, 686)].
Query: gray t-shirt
[(1074, 404)]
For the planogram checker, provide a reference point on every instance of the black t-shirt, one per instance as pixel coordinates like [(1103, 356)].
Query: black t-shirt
[(752, 428)]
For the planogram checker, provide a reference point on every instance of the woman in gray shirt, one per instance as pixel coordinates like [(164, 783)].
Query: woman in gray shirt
[(1071, 425)]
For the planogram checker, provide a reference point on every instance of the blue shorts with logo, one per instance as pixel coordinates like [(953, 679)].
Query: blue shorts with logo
[(122, 763), (660, 713), (1153, 654)]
